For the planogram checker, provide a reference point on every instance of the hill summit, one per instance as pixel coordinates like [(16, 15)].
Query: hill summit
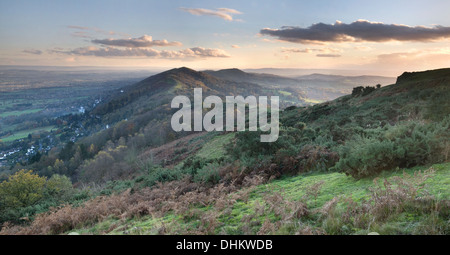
[(443, 73)]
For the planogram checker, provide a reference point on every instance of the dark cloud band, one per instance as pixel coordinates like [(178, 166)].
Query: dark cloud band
[(360, 30)]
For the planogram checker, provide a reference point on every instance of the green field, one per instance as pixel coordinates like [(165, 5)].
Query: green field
[(18, 113), (24, 133)]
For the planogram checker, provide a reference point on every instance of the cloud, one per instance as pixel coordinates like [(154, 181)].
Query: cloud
[(360, 30), (228, 10), (136, 47), (33, 51), (86, 30), (292, 50), (309, 50), (328, 55), (196, 52), (204, 52), (223, 13), (394, 63), (81, 34), (79, 27), (363, 48), (109, 52), (425, 57), (235, 46), (143, 41)]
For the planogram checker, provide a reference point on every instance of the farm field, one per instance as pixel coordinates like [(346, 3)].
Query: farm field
[(24, 133)]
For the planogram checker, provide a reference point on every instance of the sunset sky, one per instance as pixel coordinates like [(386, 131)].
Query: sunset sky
[(371, 37)]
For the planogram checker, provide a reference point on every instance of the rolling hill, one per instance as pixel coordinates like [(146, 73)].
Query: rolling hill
[(156, 92), (322, 176)]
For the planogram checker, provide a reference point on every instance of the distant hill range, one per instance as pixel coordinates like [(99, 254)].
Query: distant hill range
[(156, 92), (314, 87), (238, 75)]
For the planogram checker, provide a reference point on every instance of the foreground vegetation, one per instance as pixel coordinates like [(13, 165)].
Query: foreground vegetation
[(413, 201), (312, 204)]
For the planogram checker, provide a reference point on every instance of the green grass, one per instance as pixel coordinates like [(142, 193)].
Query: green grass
[(178, 86), (312, 101), (292, 188), (24, 133), (18, 113), (285, 93), (215, 148), (336, 184)]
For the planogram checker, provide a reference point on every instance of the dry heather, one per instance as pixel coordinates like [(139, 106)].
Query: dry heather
[(273, 214), (177, 196), (173, 151)]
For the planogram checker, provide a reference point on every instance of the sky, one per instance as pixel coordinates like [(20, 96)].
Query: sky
[(369, 37)]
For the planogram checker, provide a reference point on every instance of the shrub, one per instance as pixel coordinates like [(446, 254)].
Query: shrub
[(162, 175), (309, 158), (317, 158), (367, 156), (404, 145), (248, 144), (208, 173), (22, 189), (439, 107), (107, 165), (363, 91), (59, 187)]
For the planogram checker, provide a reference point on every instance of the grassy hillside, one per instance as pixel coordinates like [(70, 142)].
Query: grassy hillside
[(319, 177), (266, 208)]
